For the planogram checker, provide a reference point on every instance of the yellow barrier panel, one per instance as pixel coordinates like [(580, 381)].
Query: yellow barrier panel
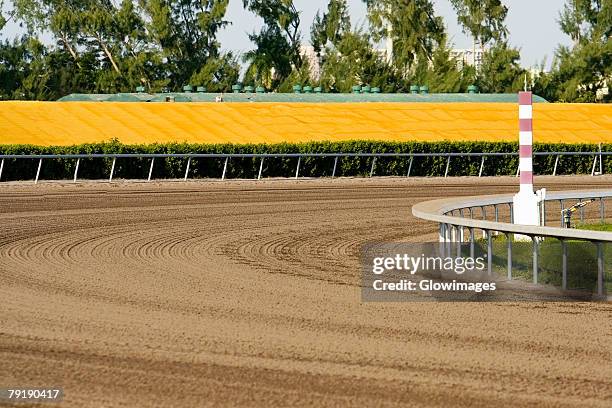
[(67, 123)]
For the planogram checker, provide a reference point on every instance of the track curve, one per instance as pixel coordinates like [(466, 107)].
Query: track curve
[(246, 293)]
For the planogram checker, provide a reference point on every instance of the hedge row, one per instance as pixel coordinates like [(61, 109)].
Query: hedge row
[(20, 169)]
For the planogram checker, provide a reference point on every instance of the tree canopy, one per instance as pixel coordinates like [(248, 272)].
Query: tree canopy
[(103, 46)]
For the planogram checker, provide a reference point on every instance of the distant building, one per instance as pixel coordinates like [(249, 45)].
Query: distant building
[(468, 57), (309, 55)]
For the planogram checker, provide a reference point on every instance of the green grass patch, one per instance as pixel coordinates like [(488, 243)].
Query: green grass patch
[(595, 227), (581, 261)]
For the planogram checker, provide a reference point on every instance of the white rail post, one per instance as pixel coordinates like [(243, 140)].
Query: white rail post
[(461, 236), (594, 165), (441, 240), (410, 165), (556, 163), (1, 167), (260, 168), (509, 244), (481, 166), (110, 179), (151, 168), (600, 270), (38, 171), (564, 264), (297, 170), (447, 164), (335, 165), (459, 232), (187, 169), (472, 243), (489, 253), (483, 210), (373, 164), (449, 235), (225, 168), (535, 259), (76, 170), (601, 172), (543, 192)]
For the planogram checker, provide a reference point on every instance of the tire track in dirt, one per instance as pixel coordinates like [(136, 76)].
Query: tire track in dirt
[(246, 293)]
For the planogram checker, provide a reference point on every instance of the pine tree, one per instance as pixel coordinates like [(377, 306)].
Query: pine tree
[(501, 72), (280, 32), (585, 69), (482, 19), (411, 25)]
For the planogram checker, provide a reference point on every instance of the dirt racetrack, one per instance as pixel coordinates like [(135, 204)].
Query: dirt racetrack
[(247, 293)]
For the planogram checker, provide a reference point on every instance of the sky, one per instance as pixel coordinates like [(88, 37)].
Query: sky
[(532, 23)]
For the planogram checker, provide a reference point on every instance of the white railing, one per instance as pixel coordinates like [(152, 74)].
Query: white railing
[(457, 214), (598, 157)]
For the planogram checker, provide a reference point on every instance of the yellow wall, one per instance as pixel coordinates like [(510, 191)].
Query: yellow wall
[(66, 123)]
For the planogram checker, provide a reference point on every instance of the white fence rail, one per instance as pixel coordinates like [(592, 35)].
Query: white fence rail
[(454, 215), (598, 157)]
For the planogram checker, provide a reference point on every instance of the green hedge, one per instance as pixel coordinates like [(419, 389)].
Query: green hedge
[(19, 169)]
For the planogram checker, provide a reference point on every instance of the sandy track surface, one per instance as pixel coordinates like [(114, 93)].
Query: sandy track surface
[(247, 293)]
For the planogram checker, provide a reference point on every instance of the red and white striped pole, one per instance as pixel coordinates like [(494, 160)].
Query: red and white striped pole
[(526, 210), (526, 141)]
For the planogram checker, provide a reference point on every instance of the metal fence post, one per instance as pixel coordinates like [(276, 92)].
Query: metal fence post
[(581, 211), (459, 232), (461, 236), (562, 205), (187, 168), (447, 165), (564, 264), (509, 244), (489, 252), (556, 163), (151, 169), (518, 170), (600, 269), (38, 171), (410, 166), (472, 243), (76, 170), (602, 210), (1, 167), (297, 170), (481, 166), (260, 168), (601, 171), (335, 165), (448, 238), (511, 213), (112, 170), (535, 259), (496, 212), (594, 164), (225, 168), (483, 210), (373, 164)]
